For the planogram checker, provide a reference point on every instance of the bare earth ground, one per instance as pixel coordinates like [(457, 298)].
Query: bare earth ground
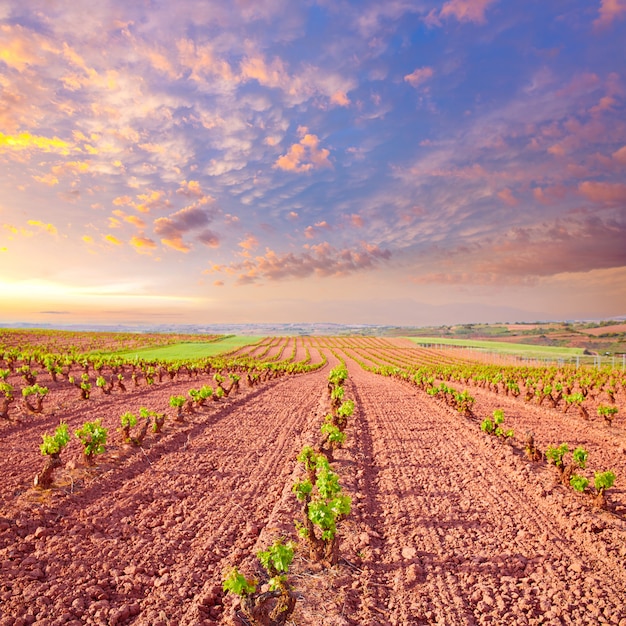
[(448, 526), (613, 328)]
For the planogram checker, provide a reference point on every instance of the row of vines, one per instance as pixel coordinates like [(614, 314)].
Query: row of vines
[(449, 380), (268, 599)]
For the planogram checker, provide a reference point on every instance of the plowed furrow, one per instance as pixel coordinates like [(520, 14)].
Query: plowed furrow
[(468, 543), (174, 526)]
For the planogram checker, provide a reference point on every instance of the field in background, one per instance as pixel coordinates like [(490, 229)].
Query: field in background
[(194, 350), (448, 524), (607, 338), (521, 349)]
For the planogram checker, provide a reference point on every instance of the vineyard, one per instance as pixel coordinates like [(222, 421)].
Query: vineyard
[(306, 480)]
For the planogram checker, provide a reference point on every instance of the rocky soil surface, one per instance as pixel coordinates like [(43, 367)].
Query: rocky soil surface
[(448, 525)]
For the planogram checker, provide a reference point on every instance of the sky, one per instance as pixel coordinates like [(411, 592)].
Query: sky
[(400, 162)]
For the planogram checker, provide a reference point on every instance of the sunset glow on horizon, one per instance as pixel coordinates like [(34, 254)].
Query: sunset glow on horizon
[(409, 163)]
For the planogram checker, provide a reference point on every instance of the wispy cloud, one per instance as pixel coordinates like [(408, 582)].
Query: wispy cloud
[(271, 139), (418, 76), (172, 229), (610, 10), (304, 155), (319, 260)]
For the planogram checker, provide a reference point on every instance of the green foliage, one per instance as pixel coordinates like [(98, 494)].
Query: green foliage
[(35, 390), (128, 420), (333, 433), (574, 398), (337, 393), (604, 480), (464, 401), (579, 457), (302, 489), (277, 558), (53, 444), (346, 409), (259, 606), (494, 427), (607, 412), (237, 583), (159, 418), (4, 374), (325, 502), (101, 382), (578, 483), (177, 401), (6, 390), (308, 457), (555, 455), (487, 426), (93, 437), (338, 375)]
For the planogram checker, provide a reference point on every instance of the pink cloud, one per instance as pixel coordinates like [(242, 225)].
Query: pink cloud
[(22, 48), (200, 59), (620, 155), (466, 10), (571, 247), (320, 260), (172, 229), (550, 195), (604, 193), (606, 103), (524, 255), (190, 189), (304, 156), (311, 231), (356, 220), (248, 244), (340, 98), (418, 76), (142, 244), (506, 195), (609, 10), (150, 201)]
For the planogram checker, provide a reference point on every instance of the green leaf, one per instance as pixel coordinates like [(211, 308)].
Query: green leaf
[(177, 401), (277, 558), (327, 484), (555, 455), (308, 456), (128, 419), (53, 444), (302, 489), (578, 483), (237, 583), (487, 426), (580, 457), (498, 416), (604, 480), (93, 436), (346, 409)]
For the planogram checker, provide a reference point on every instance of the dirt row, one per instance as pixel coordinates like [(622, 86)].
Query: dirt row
[(448, 526), (146, 537), (470, 532)]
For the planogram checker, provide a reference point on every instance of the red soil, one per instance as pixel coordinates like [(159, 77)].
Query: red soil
[(613, 328), (448, 525)]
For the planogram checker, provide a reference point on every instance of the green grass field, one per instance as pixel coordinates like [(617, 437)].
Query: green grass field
[(520, 349), (188, 351)]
